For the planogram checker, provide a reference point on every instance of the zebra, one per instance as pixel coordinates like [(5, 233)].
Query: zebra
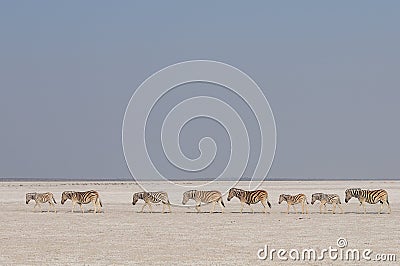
[(41, 198), (204, 197), (333, 199), (250, 197), (369, 196), (152, 197), (82, 198), (292, 200)]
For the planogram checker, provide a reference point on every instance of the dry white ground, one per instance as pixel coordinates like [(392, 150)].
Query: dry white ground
[(122, 236)]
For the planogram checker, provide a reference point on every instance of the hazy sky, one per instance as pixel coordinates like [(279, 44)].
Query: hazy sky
[(330, 70)]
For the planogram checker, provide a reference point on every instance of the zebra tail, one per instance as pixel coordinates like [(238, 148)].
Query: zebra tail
[(222, 202), (54, 200), (101, 205), (269, 204)]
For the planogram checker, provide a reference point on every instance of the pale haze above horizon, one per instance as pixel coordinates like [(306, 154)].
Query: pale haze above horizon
[(330, 72)]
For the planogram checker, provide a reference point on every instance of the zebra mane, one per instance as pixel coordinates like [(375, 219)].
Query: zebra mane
[(355, 192), (353, 189), (318, 195), (140, 194), (237, 191), (31, 195), (190, 193)]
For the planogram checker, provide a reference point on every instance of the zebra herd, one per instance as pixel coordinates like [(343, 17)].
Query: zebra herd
[(214, 197), (76, 198)]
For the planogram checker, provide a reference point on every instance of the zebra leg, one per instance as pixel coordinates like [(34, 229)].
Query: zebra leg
[(320, 208), (213, 207), (251, 208), (95, 206), (198, 208), (340, 207), (305, 205), (48, 209), (390, 209), (222, 207), (73, 206), (325, 210), (380, 209), (288, 208), (363, 204), (241, 209), (151, 208), (265, 207), (98, 205), (80, 205), (169, 207), (333, 208), (143, 206), (303, 208), (163, 207)]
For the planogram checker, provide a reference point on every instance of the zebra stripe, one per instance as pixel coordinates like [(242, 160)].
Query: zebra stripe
[(324, 199), (292, 200), (199, 197), (82, 198), (250, 197), (152, 197), (41, 198), (369, 196)]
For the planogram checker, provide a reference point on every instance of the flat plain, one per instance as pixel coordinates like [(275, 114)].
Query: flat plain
[(120, 235)]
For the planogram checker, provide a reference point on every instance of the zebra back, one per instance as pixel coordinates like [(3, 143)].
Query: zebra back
[(84, 197), (326, 198), (374, 196), (40, 197), (249, 197), (155, 197), (292, 199), (208, 196)]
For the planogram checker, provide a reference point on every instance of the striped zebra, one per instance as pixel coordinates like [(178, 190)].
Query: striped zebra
[(41, 198), (82, 198), (333, 199), (152, 197), (369, 196), (293, 200), (199, 197), (250, 197)]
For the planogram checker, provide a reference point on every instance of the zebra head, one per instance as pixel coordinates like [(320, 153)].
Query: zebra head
[(66, 195), (233, 192), (351, 192), (136, 197), (282, 197), (187, 196), (315, 197), (29, 196)]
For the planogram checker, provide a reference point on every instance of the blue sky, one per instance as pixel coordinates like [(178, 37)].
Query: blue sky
[(330, 71)]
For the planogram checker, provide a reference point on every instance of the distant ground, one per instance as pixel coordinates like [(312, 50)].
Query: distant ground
[(123, 236)]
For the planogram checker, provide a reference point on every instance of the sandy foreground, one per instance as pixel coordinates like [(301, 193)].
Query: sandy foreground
[(122, 236)]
